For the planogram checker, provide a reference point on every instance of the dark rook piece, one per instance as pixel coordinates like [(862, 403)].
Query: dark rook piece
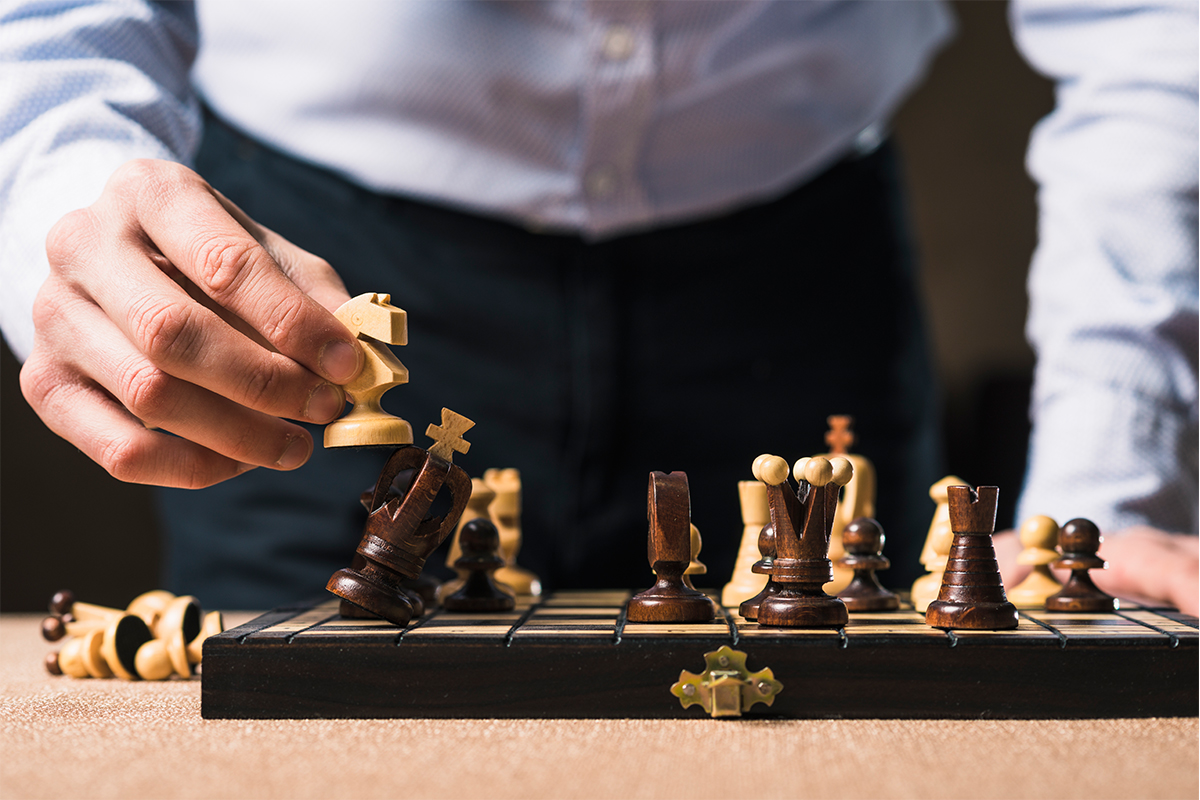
[(972, 594), (398, 536), (863, 541), (480, 543), (1079, 540), (669, 508), (803, 520)]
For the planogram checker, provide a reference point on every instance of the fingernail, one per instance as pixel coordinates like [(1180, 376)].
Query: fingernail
[(339, 360), (295, 454), (325, 403)]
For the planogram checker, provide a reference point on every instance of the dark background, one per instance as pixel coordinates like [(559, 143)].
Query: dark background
[(65, 523)]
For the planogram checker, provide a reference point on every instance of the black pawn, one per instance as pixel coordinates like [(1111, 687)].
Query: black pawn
[(1079, 540), (480, 543), (766, 549), (863, 541)]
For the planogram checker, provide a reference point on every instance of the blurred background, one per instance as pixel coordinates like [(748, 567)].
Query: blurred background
[(65, 523)]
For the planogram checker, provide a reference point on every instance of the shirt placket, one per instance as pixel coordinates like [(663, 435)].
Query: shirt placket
[(618, 98)]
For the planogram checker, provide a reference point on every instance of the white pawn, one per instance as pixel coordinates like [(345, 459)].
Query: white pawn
[(1038, 536), (936, 552), (755, 514)]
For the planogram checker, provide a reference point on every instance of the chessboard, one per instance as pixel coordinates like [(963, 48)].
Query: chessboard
[(575, 655)]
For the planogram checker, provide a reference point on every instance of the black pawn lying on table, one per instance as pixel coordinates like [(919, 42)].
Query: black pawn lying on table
[(480, 543), (1079, 540), (766, 549), (863, 542)]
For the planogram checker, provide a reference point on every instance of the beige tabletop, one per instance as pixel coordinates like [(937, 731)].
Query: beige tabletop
[(82, 739)]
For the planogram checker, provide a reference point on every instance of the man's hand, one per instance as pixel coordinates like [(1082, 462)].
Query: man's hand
[(1144, 564), (167, 307)]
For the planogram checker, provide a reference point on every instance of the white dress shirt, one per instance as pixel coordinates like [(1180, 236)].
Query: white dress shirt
[(603, 118)]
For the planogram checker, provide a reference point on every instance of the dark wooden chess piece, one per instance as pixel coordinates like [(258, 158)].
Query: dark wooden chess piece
[(1079, 540), (669, 508), (399, 536), (417, 600), (480, 543), (803, 520), (972, 594), (766, 549), (863, 540)]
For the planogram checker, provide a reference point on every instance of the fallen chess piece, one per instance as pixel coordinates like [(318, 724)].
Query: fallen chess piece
[(106, 642), (399, 534)]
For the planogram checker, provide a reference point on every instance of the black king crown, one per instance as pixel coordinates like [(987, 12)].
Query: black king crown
[(803, 520)]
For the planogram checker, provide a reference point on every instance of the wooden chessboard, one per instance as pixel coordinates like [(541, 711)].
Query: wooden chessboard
[(575, 655)]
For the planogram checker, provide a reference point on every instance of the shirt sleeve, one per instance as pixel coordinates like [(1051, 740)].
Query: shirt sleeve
[(84, 87), (1113, 284)]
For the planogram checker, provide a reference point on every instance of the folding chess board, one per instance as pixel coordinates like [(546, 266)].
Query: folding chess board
[(575, 655)]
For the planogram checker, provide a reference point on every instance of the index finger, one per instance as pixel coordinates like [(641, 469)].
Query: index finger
[(233, 268)]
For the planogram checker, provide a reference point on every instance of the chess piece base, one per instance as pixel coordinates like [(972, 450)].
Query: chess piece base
[(1034, 590), (971, 616), (749, 609), (1088, 603), (788, 608), (520, 580), (666, 603), (459, 601), (368, 429), (370, 596), (861, 595)]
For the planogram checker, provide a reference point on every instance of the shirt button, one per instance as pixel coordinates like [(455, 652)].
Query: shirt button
[(601, 181), (618, 43)]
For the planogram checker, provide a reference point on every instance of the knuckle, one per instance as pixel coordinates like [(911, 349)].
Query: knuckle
[(40, 382), (163, 331), (221, 263), (284, 320), (71, 235), (261, 385), (124, 458), (146, 391)]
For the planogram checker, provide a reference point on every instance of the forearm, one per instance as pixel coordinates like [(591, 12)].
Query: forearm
[(84, 88), (1113, 286)]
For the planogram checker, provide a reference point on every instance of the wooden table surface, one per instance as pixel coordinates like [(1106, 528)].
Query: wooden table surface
[(83, 739)]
